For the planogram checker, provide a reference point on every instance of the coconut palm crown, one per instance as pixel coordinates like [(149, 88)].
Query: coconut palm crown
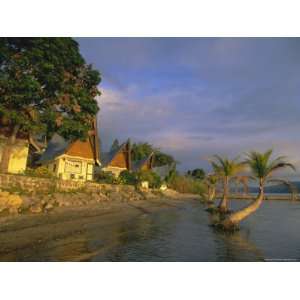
[(263, 167), (226, 167)]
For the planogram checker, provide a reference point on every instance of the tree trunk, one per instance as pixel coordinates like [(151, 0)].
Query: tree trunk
[(223, 207), (235, 218), (7, 150), (211, 194), (34, 144)]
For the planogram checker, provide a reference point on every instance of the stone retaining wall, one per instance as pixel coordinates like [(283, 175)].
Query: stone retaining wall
[(44, 185), (26, 183)]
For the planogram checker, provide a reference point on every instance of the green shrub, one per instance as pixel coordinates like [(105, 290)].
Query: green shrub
[(43, 172), (127, 177), (106, 177), (186, 184), (152, 178), (134, 178)]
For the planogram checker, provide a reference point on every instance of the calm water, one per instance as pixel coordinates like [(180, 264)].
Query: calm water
[(178, 234), (184, 235)]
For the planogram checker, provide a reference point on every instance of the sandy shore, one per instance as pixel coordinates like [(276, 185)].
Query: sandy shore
[(51, 236)]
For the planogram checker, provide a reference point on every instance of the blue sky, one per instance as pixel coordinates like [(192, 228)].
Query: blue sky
[(194, 97)]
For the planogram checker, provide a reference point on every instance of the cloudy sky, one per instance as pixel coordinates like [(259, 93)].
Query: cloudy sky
[(194, 97)]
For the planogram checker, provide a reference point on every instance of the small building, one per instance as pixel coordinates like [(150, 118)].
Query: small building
[(18, 159), (74, 160), (117, 160), (145, 164)]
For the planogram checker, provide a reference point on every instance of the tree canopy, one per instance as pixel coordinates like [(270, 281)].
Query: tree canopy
[(197, 173), (115, 145), (141, 150), (46, 87)]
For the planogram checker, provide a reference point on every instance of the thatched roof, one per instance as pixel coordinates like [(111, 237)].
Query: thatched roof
[(88, 149), (107, 157), (136, 166)]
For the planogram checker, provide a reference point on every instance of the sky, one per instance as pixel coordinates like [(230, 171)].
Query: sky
[(195, 97)]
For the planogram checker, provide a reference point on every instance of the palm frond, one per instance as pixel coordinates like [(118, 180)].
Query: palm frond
[(262, 166), (278, 166), (293, 189), (226, 166), (217, 169), (267, 155), (222, 161), (212, 178)]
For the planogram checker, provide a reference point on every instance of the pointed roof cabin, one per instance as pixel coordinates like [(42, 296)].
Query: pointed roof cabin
[(117, 160), (145, 164), (74, 160)]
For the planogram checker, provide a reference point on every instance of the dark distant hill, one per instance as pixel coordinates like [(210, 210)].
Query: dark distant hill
[(278, 188)]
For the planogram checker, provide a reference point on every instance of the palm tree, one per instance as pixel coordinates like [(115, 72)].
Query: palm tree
[(262, 168), (226, 169), (210, 182)]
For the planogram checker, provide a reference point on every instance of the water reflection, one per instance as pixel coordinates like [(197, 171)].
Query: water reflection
[(143, 239), (180, 235), (184, 235), (237, 247), (177, 234)]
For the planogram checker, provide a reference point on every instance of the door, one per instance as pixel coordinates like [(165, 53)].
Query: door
[(89, 172)]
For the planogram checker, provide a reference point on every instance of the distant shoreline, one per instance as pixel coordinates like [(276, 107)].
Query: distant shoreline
[(268, 196)]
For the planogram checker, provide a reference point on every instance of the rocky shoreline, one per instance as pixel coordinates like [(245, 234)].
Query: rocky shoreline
[(14, 203)]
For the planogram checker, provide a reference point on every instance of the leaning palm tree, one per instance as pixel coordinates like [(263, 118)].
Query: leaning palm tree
[(262, 168), (226, 169)]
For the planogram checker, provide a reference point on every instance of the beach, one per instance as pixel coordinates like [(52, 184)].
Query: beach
[(25, 234)]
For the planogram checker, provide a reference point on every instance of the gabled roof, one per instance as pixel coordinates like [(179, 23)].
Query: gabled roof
[(107, 157), (88, 149), (56, 146), (136, 166)]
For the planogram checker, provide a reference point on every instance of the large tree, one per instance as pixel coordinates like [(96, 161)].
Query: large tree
[(45, 87), (197, 173), (115, 145)]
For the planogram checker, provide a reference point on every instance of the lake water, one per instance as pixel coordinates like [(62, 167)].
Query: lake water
[(183, 234), (179, 233)]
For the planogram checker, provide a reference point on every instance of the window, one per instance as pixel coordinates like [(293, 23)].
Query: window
[(54, 168), (73, 167), (72, 176)]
